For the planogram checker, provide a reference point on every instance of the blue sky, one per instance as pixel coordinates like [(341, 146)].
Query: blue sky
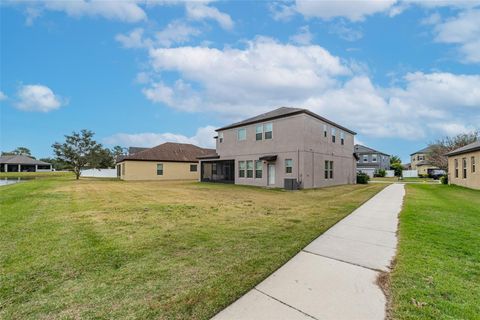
[(138, 73)]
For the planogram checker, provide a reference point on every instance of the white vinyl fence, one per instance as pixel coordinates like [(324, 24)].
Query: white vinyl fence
[(389, 173), (410, 173), (99, 173)]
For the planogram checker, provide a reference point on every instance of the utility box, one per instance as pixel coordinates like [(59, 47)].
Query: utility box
[(290, 184)]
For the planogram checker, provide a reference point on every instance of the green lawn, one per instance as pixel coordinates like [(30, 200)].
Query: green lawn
[(437, 272), (94, 249), (395, 179)]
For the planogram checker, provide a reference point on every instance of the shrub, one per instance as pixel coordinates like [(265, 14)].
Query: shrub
[(423, 175), (381, 173), (444, 179), (362, 178)]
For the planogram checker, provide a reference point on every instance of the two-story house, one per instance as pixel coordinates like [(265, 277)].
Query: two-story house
[(283, 146), (370, 161), (419, 162)]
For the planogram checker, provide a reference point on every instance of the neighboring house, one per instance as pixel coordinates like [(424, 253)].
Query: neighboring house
[(419, 162), (370, 161), (286, 147), (18, 163), (168, 161), (463, 166)]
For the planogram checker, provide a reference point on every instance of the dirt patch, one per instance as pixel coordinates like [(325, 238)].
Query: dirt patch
[(384, 282)]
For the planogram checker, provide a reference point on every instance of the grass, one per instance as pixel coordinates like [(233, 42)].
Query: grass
[(33, 175), (395, 179), (437, 272), (95, 249)]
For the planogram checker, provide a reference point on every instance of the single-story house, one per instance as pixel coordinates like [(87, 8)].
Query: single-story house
[(420, 163), (285, 148), (463, 166), (168, 161), (21, 163), (370, 161)]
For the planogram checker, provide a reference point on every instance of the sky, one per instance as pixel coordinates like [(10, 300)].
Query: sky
[(400, 73)]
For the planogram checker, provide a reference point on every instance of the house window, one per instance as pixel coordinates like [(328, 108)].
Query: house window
[(268, 128), (159, 169), (342, 138), (241, 134), (214, 168), (193, 168), (325, 130), (288, 165), (333, 135), (374, 158), (464, 168), (220, 137), (258, 169), (328, 169), (456, 168), (249, 169), (123, 169), (258, 132), (241, 169), (365, 158), (473, 164)]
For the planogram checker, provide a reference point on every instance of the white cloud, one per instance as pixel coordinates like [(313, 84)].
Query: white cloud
[(3, 96), (126, 10), (464, 30), (343, 31), (303, 37), (203, 138), (353, 10), (200, 10), (38, 98), (133, 39), (175, 32), (236, 83)]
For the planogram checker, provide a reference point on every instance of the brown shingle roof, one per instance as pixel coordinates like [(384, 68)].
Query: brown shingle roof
[(20, 159), (170, 151), (468, 148)]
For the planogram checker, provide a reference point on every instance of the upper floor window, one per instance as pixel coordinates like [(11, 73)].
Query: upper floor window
[(259, 132), (220, 137), (333, 135), (268, 129), (214, 168), (473, 164), (258, 169), (241, 134), (325, 130), (159, 169), (342, 138), (241, 169), (193, 168), (374, 158), (464, 168), (456, 168), (288, 165), (365, 158)]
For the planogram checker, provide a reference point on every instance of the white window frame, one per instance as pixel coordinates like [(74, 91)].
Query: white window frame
[(265, 130), (238, 134), (220, 137), (365, 158), (259, 131), (374, 157)]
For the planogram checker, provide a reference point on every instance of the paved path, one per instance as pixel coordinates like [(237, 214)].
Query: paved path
[(334, 277)]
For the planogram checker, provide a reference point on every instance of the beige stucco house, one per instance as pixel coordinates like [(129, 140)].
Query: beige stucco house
[(419, 162), (168, 161), (283, 148), (463, 166)]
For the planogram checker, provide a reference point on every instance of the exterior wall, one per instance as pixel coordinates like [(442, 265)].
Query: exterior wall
[(423, 169), (473, 178), (299, 138), (383, 161), (147, 170)]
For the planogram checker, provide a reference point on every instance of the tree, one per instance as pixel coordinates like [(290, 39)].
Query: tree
[(118, 151), (78, 151), (396, 165), (20, 151), (104, 158), (438, 149), (56, 164)]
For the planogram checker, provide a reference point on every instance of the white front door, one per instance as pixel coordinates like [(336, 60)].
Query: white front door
[(271, 174)]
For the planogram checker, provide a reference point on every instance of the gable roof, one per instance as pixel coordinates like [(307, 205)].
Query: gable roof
[(132, 150), (282, 112), (363, 149), (170, 151), (424, 150), (20, 159), (468, 148)]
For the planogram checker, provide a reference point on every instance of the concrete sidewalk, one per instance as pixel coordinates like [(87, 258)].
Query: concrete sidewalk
[(334, 277)]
